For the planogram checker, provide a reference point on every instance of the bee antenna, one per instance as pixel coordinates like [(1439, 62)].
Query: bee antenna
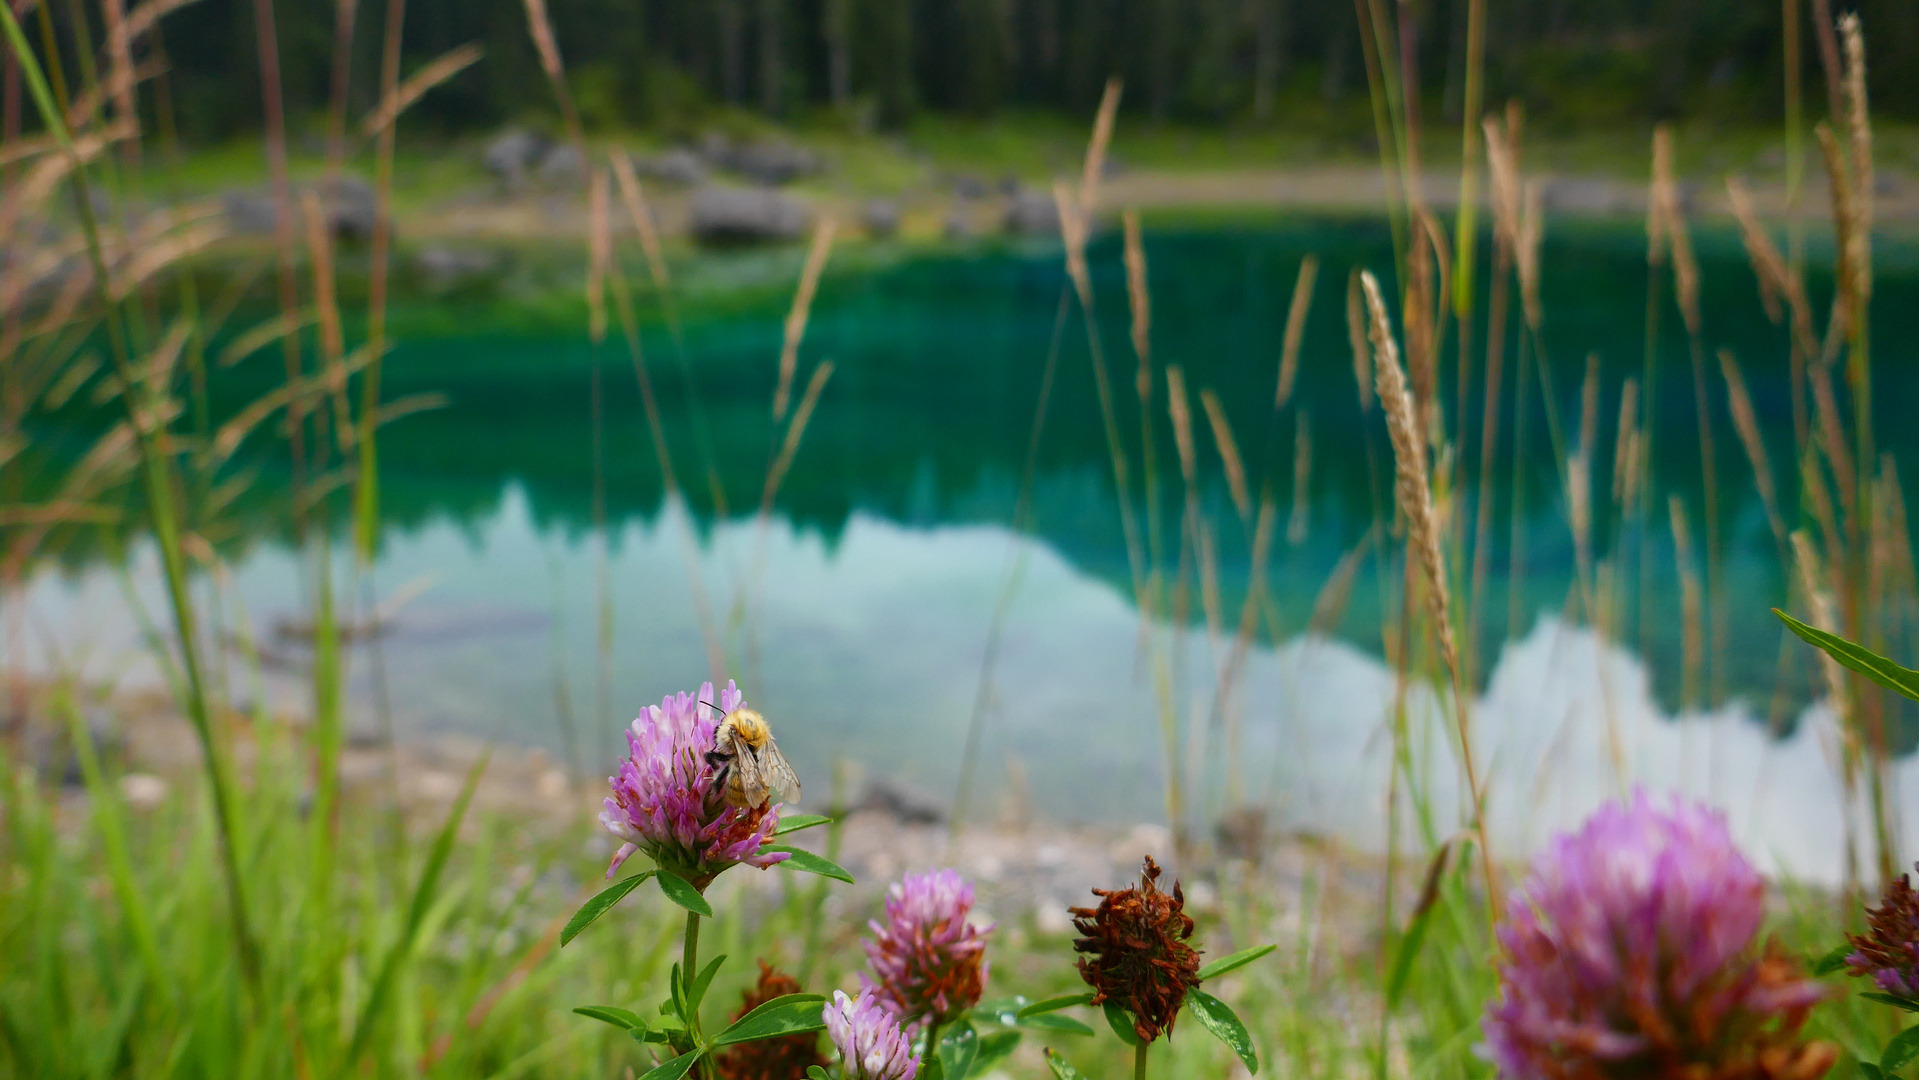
[(712, 706)]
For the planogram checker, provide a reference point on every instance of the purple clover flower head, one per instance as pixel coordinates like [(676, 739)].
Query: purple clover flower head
[(871, 1043), (666, 804), (1888, 952), (930, 961), (1630, 949)]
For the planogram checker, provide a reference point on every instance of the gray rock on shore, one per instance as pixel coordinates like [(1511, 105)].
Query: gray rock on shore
[(512, 154), (733, 216), (1032, 213)]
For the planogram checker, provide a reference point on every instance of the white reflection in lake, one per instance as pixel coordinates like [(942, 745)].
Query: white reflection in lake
[(869, 648)]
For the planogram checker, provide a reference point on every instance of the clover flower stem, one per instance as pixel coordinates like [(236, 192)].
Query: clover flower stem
[(689, 968), (1139, 1061), (932, 1053)]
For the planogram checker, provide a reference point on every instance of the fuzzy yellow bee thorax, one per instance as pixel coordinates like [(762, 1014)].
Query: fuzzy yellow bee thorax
[(748, 727)]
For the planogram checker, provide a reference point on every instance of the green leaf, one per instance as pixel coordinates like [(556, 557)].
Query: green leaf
[(611, 1015), (1868, 1070), (1054, 1004), (697, 992), (999, 1007), (959, 1045), (789, 1015), (814, 1072), (1121, 1022), (1832, 961), (994, 1049), (1888, 999), (1217, 1017), (1901, 680), (681, 891), (807, 862), (1903, 1048), (1065, 1025), (423, 893), (600, 905), (1234, 962), (674, 1069), (799, 821), (1062, 1069), (1407, 952), (656, 1035)]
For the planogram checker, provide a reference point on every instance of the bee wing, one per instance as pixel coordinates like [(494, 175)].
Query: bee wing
[(748, 777), (777, 774)]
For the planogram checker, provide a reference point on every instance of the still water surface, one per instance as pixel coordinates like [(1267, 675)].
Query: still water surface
[(856, 615)]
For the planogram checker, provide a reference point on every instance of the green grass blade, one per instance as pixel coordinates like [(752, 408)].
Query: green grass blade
[(789, 1015), (681, 891), (800, 821), (808, 863), (601, 903), (675, 1068), (1901, 680), (1054, 1004), (1234, 962), (619, 1018), (1218, 1017), (416, 913)]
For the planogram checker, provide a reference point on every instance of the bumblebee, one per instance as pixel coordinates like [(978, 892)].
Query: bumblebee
[(748, 766)]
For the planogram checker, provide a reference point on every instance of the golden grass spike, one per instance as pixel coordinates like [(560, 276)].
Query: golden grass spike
[(1685, 267), (1503, 166), (642, 216), (38, 185), (1140, 300), (148, 15), (1096, 148), (1412, 490), (1746, 423), (153, 259), (1858, 124), (1805, 559), (1329, 606), (1072, 230), (1356, 340), (416, 86), (1230, 460), (541, 30), (794, 432), (1532, 230), (1182, 415), (260, 336), (599, 243), (1692, 605), (1300, 520), (1295, 329), (1845, 220), (802, 308), (1624, 492)]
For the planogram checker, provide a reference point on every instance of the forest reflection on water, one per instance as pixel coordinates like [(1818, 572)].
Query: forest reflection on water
[(874, 582)]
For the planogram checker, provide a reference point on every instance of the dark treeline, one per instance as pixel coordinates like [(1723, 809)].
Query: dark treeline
[(665, 62)]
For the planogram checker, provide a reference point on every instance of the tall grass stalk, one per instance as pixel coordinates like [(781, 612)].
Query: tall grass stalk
[(157, 474)]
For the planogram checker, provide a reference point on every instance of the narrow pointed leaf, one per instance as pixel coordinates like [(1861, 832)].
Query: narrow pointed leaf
[(1868, 1070), (1054, 1004), (600, 904), (1217, 1017), (1895, 1002), (1832, 961), (697, 992), (807, 862), (1062, 1069), (1065, 1025), (674, 1069), (1121, 1022), (1004, 1009), (1902, 1049), (681, 891), (1901, 680), (959, 1045), (1234, 962), (994, 1049), (609, 1014), (1407, 952), (798, 822), (789, 1015)]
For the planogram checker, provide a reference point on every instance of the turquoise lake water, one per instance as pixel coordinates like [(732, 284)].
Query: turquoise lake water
[(857, 614)]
